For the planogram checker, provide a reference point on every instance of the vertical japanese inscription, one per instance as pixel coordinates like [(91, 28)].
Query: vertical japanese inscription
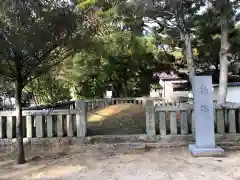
[(150, 116), (204, 108), (203, 113), (204, 91)]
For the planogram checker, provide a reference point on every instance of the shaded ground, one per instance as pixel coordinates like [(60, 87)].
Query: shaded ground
[(101, 163), (117, 119)]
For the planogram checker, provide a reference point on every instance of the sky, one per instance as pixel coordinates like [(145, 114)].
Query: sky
[(201, 11)]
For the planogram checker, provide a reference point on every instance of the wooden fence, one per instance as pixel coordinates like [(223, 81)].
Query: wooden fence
[(179, 119)]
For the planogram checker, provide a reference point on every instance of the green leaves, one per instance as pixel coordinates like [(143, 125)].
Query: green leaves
[(49, 89), (37, 35), (86, 3)]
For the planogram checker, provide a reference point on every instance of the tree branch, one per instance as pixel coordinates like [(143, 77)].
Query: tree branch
[(47, 67)]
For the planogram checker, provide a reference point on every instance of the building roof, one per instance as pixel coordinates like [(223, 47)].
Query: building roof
[(168, 76), (232, 84)]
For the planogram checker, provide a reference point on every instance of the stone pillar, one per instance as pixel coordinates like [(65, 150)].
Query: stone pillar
[(69, 126), (29, 126), (59, 126), (81, 118), (49, 126), (10, 127), (144, 102), (1, 127), (39, 126), (204, 120), (150, 118)]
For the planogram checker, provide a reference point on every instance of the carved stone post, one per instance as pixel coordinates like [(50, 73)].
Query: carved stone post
[(150, 118)]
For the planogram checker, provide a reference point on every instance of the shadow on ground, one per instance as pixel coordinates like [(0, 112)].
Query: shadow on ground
[(59, 163), (117, 119), (121, 119), (102, 162)]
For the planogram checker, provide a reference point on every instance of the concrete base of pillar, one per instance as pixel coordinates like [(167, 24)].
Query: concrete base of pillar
[(198, 152)]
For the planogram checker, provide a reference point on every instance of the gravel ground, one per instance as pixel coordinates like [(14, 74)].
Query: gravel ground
[(101, 163)]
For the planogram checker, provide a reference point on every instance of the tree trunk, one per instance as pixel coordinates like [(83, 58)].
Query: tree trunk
[(223, 79), (189, 57), (125, 90), (19, 128)]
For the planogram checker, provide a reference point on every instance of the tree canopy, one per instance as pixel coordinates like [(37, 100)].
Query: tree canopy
[(134, 39), (36, 36)]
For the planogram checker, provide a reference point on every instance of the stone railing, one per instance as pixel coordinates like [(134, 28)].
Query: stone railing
[(179, 119), (45, 123), (101, 103), (165, 123)]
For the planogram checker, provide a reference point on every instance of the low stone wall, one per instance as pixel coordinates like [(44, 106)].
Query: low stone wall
[(131, 141)]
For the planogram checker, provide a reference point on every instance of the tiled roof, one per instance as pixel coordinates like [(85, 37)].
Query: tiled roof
[(232, 84), (167, 76)]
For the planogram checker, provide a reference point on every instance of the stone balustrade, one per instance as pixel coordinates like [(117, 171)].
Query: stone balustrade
[(178, 119)]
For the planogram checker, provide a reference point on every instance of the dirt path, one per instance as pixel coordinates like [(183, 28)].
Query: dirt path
[(121, 119), (102, 163), (117, 119)]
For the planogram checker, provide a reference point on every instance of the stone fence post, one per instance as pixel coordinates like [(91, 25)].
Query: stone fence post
[(144, 102), (81, 118), (150, 118)]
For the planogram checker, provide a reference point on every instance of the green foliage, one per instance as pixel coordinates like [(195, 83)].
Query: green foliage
[(207, 40), (156, 86), (48, 88), (118, 56), (36, 36), (110, 63)]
